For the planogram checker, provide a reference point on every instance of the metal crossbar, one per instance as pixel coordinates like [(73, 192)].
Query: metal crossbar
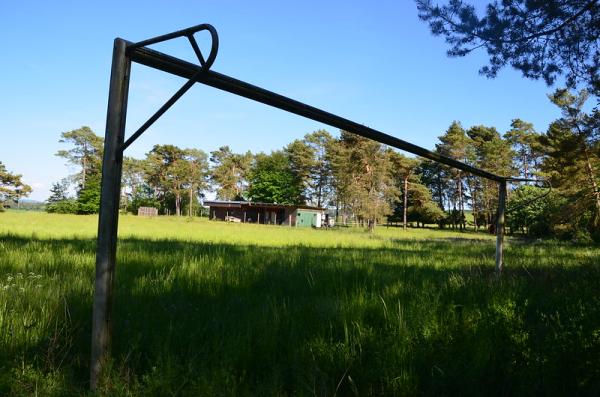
[(124, 53), (181, 68)]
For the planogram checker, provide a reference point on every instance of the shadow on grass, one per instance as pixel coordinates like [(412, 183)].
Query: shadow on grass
[(222, 319)]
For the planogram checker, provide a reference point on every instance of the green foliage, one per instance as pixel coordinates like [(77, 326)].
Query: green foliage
[(525, 141), (11, 186), (365, 183), (533, 211), (173, 171), (310, 164), (143, 196), (272, 180), (422, 208), (88, 197), (435, 177), (58, 191), (457, 145), (572, 161), (494, 154), (416, 204), (368, 183), (86, 153), (66, 206), (134, 181)]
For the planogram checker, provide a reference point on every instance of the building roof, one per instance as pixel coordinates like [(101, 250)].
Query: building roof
[(240, 204)]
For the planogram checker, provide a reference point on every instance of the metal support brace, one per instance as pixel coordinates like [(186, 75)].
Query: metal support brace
[(106, 249), (500, 226)]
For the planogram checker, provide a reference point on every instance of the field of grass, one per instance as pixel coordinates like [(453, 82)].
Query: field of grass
[(205, 308)]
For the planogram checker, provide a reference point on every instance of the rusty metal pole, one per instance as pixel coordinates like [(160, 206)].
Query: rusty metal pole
[(106, 248), (500, 226)]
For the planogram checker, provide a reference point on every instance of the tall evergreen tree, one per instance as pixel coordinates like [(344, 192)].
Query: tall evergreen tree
[(404, 171), (435, 176), (525, 142), (455, 144), (301, 158), (86, 152), (229, 173), (572, 159), (173, 171), (321, 176), (310, 163), (370, 187), (338, 157), (196, 176), (494, 154)]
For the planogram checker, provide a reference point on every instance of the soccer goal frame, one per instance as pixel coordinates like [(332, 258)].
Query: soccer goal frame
[(124, 54)]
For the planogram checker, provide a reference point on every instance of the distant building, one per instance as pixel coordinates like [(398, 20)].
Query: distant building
[(267, 213), (147, 211)]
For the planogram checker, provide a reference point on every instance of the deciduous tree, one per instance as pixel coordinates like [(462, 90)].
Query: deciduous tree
[(272, 180)]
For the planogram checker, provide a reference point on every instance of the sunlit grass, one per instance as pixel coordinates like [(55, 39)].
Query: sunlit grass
[(210, 308), (43, 225)]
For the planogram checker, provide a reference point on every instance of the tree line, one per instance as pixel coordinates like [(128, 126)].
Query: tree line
[(368, 183), (551, 40)]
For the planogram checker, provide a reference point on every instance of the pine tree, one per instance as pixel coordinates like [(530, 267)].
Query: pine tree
[(310, 163), (86, 153), (572, 159), (525, 142), (495, 155), (404, 171), (229, 173), (196, 176), (583, 129), (455, 144), (363, 167), (172, 172)]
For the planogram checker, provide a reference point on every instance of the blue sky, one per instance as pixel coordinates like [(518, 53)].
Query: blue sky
[(372, 62)]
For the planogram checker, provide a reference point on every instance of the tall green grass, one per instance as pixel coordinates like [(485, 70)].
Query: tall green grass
[(208, 308)]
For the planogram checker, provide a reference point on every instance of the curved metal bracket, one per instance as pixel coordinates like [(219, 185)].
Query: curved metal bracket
[(205, 65), (189, 33)]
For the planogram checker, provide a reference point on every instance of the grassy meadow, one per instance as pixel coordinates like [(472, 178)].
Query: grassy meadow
[(206, 308)]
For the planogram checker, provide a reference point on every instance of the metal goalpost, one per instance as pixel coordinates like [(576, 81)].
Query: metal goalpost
[(124, 53)]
